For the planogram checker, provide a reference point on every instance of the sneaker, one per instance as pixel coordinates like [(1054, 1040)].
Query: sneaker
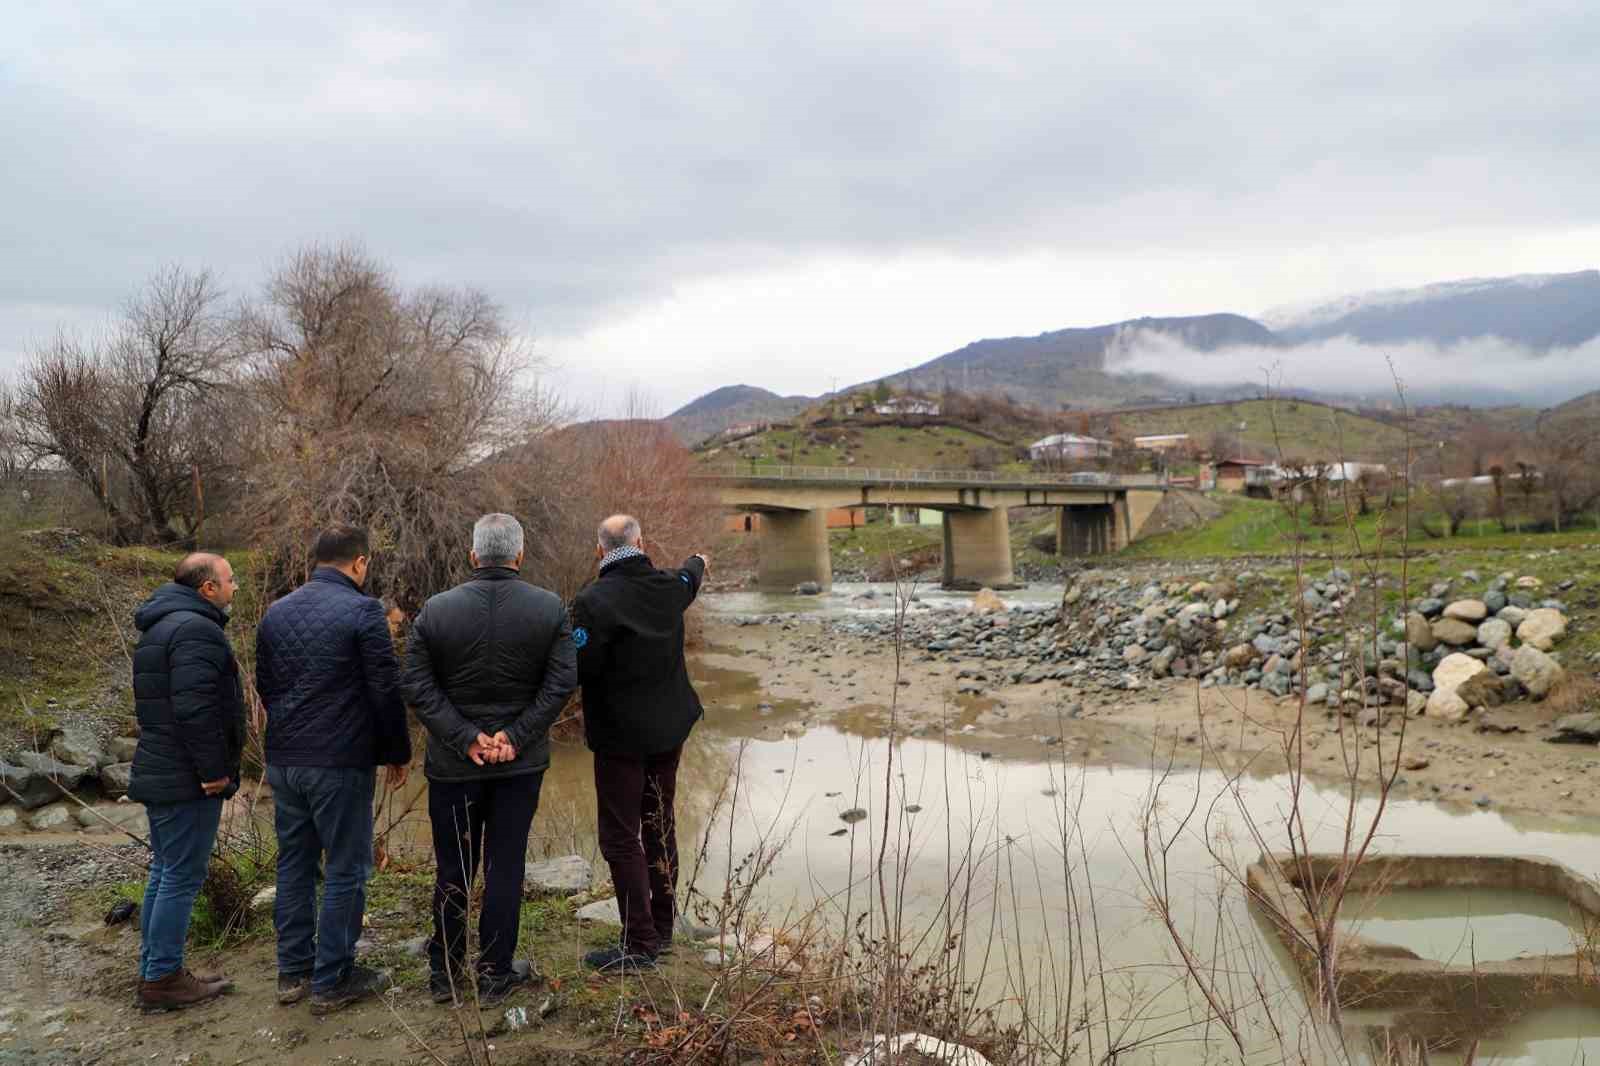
[(359, 983), (618, 960), (293, 987), (442, 989), (494, 987), (175, 991)]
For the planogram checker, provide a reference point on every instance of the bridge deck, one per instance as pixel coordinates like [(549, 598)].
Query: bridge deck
[(887, 476)]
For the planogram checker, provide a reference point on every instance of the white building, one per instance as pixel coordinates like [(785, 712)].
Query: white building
[(1068, 446), (906, 405)]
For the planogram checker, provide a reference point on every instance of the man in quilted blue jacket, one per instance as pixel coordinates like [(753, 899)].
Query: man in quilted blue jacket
[(327, 674)]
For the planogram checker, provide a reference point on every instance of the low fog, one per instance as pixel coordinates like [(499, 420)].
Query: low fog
[(1486, 370)]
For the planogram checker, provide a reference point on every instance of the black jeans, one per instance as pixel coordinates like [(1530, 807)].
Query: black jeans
[(639, 839), (473, 820)]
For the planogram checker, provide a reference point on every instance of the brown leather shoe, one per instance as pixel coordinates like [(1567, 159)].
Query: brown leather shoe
[(177, 990)]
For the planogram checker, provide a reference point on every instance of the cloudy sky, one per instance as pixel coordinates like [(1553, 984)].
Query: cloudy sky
[(675, 197)]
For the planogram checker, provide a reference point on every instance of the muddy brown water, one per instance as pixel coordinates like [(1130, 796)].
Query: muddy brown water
[(1031, 840)]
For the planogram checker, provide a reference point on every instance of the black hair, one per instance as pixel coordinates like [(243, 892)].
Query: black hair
[(341, 545)]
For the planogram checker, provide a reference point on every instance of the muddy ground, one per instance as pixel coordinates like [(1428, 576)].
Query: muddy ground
[(1499, 759)]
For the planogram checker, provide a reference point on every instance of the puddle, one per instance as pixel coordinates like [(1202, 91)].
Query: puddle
[(1460, 925), (1564, 1036)]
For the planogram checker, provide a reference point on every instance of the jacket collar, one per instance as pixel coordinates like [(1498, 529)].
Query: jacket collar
[(627, 562), (495, 573), (334, 577)]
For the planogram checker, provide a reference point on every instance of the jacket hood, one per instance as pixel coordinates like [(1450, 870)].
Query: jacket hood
[(171, 598)]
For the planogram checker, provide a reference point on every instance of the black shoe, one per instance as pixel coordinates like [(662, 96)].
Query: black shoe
[(663, 942), (619, 960), (293, 987), (441, 988), (494, 987), (359, 983)]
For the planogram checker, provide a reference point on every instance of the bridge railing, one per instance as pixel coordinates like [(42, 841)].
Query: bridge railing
[(902, 476)]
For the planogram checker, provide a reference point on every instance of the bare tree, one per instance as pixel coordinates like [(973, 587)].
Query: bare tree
[(136, 416), (1565, 456), (380, 406)]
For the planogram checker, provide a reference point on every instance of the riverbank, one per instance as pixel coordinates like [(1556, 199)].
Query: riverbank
[(813, 672)]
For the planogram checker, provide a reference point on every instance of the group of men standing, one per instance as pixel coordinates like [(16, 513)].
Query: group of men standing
[(489, 666)]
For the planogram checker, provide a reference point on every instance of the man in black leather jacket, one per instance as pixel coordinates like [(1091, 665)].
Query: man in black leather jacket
[(489, 666)]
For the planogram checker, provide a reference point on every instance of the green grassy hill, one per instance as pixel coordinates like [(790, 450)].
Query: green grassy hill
[(1292, 428), (923, 447)]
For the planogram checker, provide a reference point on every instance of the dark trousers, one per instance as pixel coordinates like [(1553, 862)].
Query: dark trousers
[(639, 839), (323, 816), (181, 835), (475, 821)]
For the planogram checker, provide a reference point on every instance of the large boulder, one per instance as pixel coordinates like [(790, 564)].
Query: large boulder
[(1494, 633), (1240, 656), (46, 819), (110, 816), (1473, 611), (1449, 675), (565, 876), (603, 912), (78, 747), (114, 779), (1482, 689), (1454, 632), (34, 780), (1444, 703), (1542, 628), (1419, 634), (1536, 671), (122, 749)]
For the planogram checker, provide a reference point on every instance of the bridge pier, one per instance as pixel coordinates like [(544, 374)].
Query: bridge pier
[(977, 549), (1087, 529), (793, 549)]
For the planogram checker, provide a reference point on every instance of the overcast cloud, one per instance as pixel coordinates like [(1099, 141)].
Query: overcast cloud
[(786, 194)]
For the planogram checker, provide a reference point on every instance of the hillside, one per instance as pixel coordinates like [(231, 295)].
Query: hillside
[(940, 447), (1070, 366), (731, 405), (1541, 311), (1293, 428)]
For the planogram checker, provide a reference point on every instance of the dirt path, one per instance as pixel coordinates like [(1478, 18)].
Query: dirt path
[(849, 682), (69, 982)]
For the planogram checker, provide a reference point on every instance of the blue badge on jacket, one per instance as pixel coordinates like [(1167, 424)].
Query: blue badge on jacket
[(580, 636)]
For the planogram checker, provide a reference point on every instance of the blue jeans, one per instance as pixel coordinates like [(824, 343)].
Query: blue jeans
[(181, 836), (323, 817)]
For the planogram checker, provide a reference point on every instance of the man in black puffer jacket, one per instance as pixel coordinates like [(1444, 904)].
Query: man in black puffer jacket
[(191, 737), (638, 709), (327, 674), (489, 665)]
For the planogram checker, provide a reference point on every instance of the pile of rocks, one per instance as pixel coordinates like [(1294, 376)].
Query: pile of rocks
[(33, 783), (1481, 652)]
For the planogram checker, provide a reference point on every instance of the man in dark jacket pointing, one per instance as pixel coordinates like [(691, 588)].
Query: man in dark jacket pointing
[(638, 709), (489, 666), (191, 736)]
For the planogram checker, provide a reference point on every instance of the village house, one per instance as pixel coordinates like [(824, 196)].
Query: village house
[(1241, 475), (1060, 446)]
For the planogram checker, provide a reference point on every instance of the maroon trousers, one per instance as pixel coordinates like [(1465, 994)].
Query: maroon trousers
[(639, 840)]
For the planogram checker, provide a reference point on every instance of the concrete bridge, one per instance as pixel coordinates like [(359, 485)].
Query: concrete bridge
[(1095, 513)]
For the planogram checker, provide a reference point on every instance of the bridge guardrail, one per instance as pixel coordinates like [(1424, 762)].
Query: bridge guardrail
[(900, 476)]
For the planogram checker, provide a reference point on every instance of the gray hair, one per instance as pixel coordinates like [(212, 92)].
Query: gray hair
[(497, 540), (619, 531)]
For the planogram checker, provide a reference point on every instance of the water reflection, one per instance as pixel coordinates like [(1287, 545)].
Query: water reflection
[(1464, 924)]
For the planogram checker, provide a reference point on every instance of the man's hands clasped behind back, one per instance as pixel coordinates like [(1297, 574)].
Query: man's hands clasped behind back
[(486, 749)]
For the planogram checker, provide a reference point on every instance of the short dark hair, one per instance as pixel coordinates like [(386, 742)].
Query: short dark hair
[(341, 544), (195, 569)]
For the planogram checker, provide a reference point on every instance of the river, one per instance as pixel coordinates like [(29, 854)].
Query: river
[(1035, 840)]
